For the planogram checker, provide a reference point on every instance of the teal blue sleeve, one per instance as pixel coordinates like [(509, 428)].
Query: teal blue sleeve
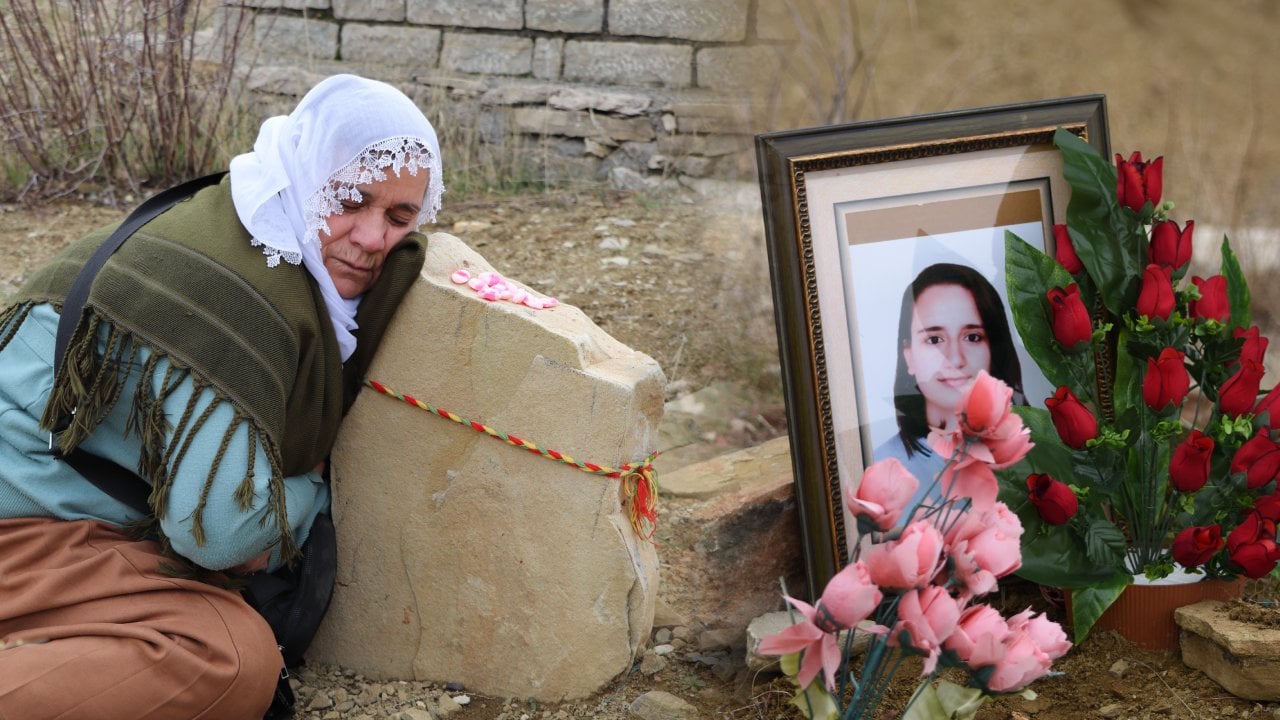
[(35, 483)]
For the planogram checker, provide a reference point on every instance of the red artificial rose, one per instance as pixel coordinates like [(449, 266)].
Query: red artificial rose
[(1065, 252), (1167, 381), (1075, 424), (1240, 391), (1254, 347), (1138, 181), (1170, 247), (1054, 500), (1155, 299), (1252, 546), (1189, 466), (1213, 303), (1195, 545), (1268, 507), (1071, 323), (1258, 459)]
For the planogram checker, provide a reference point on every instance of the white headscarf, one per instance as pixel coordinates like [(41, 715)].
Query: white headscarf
[(346, 131)]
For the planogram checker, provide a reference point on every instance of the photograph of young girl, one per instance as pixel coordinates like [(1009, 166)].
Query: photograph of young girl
[(913, 366)]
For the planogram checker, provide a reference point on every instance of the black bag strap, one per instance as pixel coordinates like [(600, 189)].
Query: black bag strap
[(78, 295), (107, 476)]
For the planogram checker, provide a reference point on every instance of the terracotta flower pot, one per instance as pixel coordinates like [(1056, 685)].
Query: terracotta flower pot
[(1143, 614)]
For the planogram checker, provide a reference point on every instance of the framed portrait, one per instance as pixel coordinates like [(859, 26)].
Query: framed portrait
[(886, 256)]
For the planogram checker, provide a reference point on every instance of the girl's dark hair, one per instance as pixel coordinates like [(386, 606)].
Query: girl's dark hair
[(913, 426)]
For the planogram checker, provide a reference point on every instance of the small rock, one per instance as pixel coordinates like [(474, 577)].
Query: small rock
[(662, 636), (659, 705), (1119, 668), (622, 222), (663, 649), (652, 664), (618, 261), (614, 243), (464, 226), (712, 640), (448, 706), (320, 701), (1111, 711), (666, 616), (415, 714), (462, 699)]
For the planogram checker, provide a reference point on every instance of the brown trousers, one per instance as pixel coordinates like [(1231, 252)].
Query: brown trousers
[(90, 630)]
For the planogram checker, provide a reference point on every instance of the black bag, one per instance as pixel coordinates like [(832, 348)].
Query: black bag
[(293, 600)]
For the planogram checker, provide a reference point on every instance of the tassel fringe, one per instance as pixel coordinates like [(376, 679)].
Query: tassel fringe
[(90, 384)]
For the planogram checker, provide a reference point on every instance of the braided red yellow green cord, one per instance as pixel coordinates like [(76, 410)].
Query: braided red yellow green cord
[(639, 480)]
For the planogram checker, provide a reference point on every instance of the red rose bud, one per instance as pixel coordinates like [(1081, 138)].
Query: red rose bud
[(1254, 346), (1055, 502), (1252, 546), (1268, 507), (1258, 459), (1138, 181), (1268, 404), (1071, 323), (1155, 299), (1167, 381), (1064, 252), (1189, 466), (1075, 424), (1213, 303), (1240, 391), (1195, 545), (1170, 247)]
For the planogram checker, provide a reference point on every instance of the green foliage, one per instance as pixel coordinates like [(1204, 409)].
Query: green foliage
[(1129, 512)]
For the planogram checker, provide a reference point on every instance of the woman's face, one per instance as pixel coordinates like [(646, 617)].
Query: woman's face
[(361, 236), (948, 347)]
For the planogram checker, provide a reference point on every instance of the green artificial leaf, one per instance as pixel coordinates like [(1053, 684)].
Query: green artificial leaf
[(1029, 274), (1237, 287), (816, 703), (945, 701), (1104, 543), (1048, 455), (1127, 385), (1110, 243), (1088, 604)]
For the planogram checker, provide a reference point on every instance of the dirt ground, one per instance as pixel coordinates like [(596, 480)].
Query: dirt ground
[(697, 301)]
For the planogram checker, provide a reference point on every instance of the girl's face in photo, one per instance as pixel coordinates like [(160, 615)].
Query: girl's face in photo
[(947, 349)]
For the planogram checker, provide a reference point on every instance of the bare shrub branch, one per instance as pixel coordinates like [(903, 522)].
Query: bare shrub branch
[(110, 97)]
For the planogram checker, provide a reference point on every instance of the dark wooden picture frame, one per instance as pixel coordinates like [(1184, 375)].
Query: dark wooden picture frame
[(822, 186)]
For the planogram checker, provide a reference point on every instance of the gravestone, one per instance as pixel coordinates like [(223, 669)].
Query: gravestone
[(464, 558)]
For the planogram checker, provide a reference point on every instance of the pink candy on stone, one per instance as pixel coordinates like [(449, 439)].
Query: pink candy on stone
[(491, 286)]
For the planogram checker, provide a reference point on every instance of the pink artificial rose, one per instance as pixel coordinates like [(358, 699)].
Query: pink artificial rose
[(985, 548), (821, 650), (926, 618), (975, 481), (1045, 633), (883, 493), (979, 636), (986, 415), (911, 561), (1033, 645), (984, 405), (850, 597)]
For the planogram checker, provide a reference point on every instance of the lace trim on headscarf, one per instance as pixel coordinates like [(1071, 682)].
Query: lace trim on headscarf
[(396, 153)]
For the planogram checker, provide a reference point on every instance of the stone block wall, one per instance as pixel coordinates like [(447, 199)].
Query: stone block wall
[(639, 93)]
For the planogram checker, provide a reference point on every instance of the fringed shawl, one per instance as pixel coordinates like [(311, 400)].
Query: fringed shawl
[(190, 287)]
